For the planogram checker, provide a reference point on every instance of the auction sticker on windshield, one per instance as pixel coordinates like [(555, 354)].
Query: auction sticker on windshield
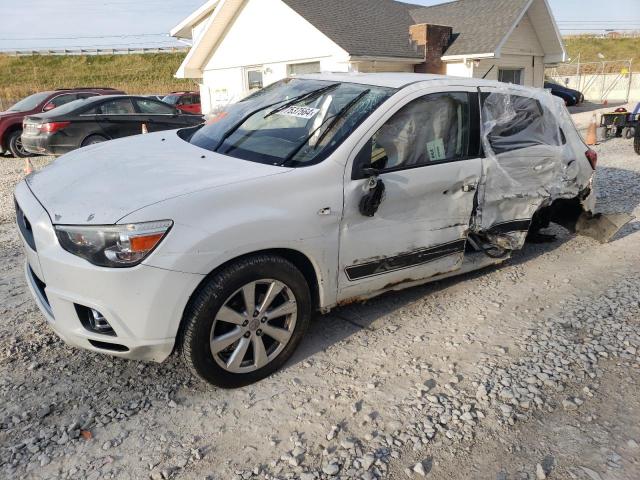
[(300, 112)]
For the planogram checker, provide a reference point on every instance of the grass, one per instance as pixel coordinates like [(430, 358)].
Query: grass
[(153, 73), (612, 49), (135, 74)]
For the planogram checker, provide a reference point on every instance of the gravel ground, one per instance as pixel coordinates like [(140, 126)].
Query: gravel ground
[(530, 370)]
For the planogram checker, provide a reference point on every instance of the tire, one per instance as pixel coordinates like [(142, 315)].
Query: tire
[(93, 139), (628, 133), (15, 145), (636, 141), (208, 326)]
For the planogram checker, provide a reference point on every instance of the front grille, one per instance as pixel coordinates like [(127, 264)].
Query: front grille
[(25, 227)]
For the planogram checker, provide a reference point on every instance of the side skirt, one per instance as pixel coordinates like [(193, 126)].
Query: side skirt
[(471, 262)]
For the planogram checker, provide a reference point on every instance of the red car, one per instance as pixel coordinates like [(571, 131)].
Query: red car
[(11, 120), (186, 101)]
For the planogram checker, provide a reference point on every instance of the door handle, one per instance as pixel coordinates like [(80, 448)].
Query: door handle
[(469, 187)]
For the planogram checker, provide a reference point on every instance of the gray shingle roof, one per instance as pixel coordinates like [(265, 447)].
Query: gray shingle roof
[(480, 24), (380, 28)]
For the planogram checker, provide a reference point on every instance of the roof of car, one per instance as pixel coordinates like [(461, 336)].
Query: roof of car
[(101, 98), (397, 80)]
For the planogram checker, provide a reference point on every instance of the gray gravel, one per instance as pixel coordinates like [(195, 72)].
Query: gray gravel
[(526, 371)]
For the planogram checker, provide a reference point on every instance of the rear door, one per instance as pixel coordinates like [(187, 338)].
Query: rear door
[(158, 116), (118, 118), (526, 162), (426, 151)]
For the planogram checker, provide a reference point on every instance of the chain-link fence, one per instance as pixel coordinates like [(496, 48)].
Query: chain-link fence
[(599, 81)]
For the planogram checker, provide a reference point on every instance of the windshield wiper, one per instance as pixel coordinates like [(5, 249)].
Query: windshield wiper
[(335, 119), (301, 98), (246, 117)]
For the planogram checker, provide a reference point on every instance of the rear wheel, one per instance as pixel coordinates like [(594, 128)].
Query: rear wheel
[(246, 321), (93, 139), (15, 144), (636, 140)]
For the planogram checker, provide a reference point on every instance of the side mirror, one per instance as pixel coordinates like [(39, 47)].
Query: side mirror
[(48, 107), (371, 172), (362, 163)]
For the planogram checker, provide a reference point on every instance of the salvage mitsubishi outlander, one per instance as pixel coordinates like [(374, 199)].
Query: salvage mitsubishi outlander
[(220, 241)]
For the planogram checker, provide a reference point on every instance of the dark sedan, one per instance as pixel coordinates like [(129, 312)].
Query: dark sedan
[(570, 96), (98, 119)]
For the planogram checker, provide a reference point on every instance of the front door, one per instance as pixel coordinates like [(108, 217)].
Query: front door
[(426, 153), (158, 116), (118, 118)]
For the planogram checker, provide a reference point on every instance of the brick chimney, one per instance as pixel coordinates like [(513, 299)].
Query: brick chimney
[(432, 41)]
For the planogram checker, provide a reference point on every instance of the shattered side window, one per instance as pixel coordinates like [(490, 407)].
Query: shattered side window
[(527, 163), (434, 128), (519, 122)]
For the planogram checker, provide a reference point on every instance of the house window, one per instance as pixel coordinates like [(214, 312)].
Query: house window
[(254, 79), (511, 75), (303, 68)]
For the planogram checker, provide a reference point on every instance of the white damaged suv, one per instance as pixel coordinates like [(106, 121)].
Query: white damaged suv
[(220, 241)]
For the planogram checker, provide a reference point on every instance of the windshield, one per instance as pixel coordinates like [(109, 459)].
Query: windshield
[(293, 122), (29, 103), (171, 99)]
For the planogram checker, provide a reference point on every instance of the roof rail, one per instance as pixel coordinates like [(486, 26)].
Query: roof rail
[(86, 88)]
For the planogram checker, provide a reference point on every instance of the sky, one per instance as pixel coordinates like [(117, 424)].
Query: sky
[(49, 24)]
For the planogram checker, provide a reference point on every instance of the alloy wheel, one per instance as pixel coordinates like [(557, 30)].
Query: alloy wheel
[(253, 326), (20, 148)]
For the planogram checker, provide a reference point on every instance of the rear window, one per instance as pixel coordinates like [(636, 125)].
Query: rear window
[(519, 122), (69, 107)]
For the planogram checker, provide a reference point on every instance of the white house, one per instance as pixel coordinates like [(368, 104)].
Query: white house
[(241, 45)]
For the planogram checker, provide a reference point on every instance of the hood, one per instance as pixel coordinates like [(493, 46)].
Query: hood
[(100, 184)]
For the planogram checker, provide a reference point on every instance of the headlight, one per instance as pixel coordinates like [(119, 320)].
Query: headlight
[(113, 246)]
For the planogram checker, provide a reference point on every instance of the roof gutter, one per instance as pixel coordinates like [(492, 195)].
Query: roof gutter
[(468, 56), (365, 58)]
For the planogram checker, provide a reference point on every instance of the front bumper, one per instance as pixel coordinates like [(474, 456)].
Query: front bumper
[(143, 304)]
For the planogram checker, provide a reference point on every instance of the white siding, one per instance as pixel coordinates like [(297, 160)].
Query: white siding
[(268, 31), (460, 69), (543, 22), (523, 40), (533, 76), (269, 35), (228, 85)]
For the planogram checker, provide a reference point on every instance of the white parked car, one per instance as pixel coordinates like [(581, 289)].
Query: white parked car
[(220, 241)]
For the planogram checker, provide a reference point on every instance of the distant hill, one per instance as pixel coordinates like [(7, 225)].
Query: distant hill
[(136, 74), (612, 49), (153, 73)]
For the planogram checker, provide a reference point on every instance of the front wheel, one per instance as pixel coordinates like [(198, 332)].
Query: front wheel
[(246, 321), (15, 144)]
